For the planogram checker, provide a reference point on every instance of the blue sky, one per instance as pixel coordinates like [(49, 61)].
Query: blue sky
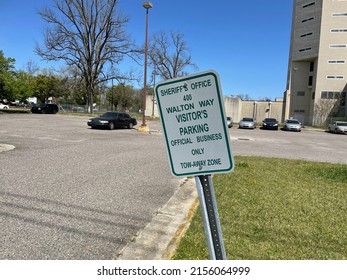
[(246, 42)]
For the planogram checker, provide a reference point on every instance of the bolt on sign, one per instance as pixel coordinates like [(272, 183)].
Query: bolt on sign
[(194, 123)]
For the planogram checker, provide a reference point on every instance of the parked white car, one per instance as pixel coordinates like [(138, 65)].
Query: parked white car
[(338, 127), (3, 106)]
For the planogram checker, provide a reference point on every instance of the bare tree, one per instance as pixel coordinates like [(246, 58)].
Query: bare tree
[(170, 55), (89, 35), (243, 96), (31, 68), (265, 98)]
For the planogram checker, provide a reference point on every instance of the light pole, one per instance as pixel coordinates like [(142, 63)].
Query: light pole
[(112, 99), (144, 127), (153, 100)]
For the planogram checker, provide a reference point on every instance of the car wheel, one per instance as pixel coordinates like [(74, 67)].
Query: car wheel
[(54, 111), (43, 111), (111, 125), (130, 125)]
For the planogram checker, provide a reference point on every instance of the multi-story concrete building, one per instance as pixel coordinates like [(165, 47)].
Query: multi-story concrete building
[(317, 68)]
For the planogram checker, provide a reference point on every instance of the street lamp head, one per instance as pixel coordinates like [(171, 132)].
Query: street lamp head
[(147, 5)]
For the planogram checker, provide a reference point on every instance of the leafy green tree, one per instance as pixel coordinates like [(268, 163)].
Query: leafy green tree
[(7, 86), (122, 97), (6, 64), (44, 87), (7, 71), (22, 86)]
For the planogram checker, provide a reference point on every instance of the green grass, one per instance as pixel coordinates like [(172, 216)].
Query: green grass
[(276, 209)]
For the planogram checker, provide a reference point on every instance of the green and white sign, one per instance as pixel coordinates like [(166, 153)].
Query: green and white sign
[(194, 123)]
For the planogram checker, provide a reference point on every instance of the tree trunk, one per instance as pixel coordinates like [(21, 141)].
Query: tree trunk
[(90, 89)]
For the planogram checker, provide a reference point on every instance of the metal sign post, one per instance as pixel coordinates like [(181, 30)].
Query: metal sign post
[(197, 140), (209, 212)]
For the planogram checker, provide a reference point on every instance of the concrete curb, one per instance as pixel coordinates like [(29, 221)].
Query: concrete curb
[(6, 147), (159, 239)]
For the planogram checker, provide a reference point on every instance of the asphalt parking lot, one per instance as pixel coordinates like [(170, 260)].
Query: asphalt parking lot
[(310, 144), (71, 192)]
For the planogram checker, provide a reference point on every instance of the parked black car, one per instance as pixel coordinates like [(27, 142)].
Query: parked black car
[(111, 120), (45, 109), (270, 123)]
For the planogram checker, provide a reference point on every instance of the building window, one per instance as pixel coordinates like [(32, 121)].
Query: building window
[(327, 95), (313, 95), (299, 111), (310, 81), (300, 93), (335, 61), (339, 14), (334, 46), (311, 66), (338, 30), (305, 50), (307, 19), (335, 77), (333, 95), (306, 34), (308, 4)]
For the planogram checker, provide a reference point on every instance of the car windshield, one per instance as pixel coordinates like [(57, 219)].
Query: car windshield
[(293, 121), (110, 115), (341, 123), (270, 120), (247, 119)]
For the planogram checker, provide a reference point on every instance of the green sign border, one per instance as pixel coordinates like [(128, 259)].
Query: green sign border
[(226, 133)]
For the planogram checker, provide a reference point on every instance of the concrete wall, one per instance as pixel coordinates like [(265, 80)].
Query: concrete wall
[(260, 110), (237, 109), (233, 107)]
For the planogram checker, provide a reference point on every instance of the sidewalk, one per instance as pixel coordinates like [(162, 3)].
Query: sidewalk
[(158, 240)]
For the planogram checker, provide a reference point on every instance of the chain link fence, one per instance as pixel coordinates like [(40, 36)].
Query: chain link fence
[(97, 108)]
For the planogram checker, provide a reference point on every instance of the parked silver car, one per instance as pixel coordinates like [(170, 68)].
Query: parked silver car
[(292, 124), (247, 123), (338, 127)]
